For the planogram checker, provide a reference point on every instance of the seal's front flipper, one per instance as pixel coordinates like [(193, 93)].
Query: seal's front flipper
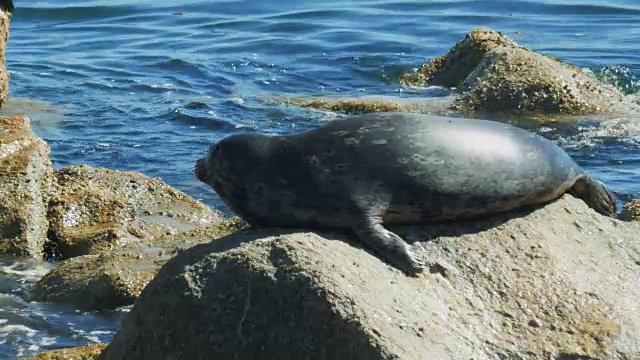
[(595, 194), (390, 246)]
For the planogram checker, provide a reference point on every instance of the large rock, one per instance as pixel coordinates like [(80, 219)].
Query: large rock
[(94, 210), (496, 75), (561, 282), (116, 278), (25, 181), (6, 8)]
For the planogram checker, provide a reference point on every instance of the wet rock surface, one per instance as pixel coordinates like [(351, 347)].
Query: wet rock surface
[(116, 278), (88, 352), (25, 182), (560, 282), (95, 210)]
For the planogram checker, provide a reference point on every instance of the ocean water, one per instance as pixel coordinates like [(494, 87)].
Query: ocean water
[(147, 87)]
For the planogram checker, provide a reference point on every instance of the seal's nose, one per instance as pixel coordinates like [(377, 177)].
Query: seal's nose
[(199, 170)]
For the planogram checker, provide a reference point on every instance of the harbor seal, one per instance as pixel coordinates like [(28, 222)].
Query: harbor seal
[(366, 171)]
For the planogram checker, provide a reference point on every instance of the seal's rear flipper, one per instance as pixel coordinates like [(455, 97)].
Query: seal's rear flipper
[(390, 246), (595, 194)]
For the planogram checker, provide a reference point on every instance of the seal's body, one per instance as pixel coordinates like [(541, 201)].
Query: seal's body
[(362, 172)]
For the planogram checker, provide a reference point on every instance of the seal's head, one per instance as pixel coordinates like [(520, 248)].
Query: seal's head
[(232, 167), (226, 160)]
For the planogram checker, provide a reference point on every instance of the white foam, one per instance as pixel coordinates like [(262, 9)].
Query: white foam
[(30, 272), (48, 341), (8, 329)]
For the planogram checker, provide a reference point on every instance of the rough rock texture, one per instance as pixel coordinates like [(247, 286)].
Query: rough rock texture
[(631, 211), (94, 210), (560, 282), (88, 352), (496, 75), (371, 103), (116, 278), (6, 7), (352, 106), (25, 181)]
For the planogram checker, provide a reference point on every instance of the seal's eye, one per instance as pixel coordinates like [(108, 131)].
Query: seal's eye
[(214, 149)]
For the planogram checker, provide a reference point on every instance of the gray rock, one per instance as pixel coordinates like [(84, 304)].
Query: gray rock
[(25, 182), (559, 282)]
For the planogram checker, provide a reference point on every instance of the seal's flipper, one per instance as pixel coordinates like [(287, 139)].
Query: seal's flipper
[(371, 201), (595, 194), (390, 246)]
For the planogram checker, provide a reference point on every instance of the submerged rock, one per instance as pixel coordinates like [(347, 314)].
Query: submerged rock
[(88, 352), (94, 210), (116, 278), (25, 182), (495, 74), (558, 282)]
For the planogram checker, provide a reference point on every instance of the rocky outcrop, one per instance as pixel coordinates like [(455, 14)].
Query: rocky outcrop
[(496, 75), (117, 277), (6, 8), (88, 352), (559, 282), (94, 210), (25, 181), (631, 211)]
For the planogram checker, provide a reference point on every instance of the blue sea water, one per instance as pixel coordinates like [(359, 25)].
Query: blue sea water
[(148, 85)]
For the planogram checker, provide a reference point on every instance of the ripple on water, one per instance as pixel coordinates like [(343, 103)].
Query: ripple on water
[(28, 327)]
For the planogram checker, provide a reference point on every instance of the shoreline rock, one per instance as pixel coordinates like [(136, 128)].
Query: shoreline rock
[(25, 182), (95, 210), (6, 10), (559, 281), (117, 277), (126, 224)]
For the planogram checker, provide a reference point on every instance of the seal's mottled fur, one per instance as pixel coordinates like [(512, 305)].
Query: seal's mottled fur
[(366, 171)]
